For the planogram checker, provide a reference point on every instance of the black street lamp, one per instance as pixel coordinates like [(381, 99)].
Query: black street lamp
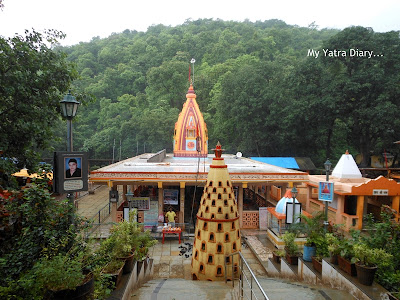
[(69, 107), (327, 166), (294, 195)]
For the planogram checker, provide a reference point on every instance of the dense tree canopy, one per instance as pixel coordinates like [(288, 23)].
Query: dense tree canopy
[(32, 80), (259, 89)]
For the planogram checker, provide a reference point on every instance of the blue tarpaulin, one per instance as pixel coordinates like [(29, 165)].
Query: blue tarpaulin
[(284, 162)]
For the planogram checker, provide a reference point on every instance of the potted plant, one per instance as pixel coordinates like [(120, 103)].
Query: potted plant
[(321, 252), (62, 277), (277, 255), (367, 260), (313, 230), (333, 247), (114, 269), (344, 259), (291, 248)]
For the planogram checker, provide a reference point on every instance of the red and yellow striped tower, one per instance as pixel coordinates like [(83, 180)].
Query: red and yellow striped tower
[(190, 134), (217, 228)]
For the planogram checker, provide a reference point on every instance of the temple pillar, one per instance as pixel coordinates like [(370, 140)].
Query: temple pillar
[(340, 209), (113, 204), (124, 192), (160, 198), (240, 202), (360, 210), (181, 214), (266, 192), (396, 206), (309, 196)]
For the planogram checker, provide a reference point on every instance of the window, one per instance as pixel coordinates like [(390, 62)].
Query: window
[(207, 209), (203, 246), (210, 183), (235, 268), (231, 209), (212, 216), (219, 271), (224, 190), (219, 183), (234, 246), (228, 260), (196, 255), (219, 196), (227, 237), (227, 183), (226, 216), (212, 237), (219, 227), (219, 209), (201, 269), (233, 225), (213, 203), (214, 190), (219, 248), (208, 196), (205, 225), (198, 233), (210, 259), (225, 202)]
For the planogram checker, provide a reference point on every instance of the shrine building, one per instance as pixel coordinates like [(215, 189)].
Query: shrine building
[(152, 182), (354, 196)]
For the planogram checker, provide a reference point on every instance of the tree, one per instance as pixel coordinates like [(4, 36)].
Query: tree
[(33, 78), (370, 86)]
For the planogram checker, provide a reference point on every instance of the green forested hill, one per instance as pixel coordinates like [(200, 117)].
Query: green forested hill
[(258, 89)]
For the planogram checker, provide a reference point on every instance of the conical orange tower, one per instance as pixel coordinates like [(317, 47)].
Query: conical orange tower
[(190, 134), (217, 230)]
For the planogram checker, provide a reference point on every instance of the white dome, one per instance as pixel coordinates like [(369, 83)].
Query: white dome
[(281, 205)]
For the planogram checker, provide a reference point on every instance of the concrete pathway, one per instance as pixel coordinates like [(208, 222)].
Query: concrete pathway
[(172, 279), (90, 204), (172, 269)]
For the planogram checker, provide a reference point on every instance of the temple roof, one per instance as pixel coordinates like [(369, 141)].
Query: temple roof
[(346, 167), (170, 168)]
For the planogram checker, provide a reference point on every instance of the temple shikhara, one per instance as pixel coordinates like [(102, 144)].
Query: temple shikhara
[(190, 134), (217, 230)]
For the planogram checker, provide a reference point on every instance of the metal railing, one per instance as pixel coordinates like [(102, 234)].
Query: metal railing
[(249, 278)]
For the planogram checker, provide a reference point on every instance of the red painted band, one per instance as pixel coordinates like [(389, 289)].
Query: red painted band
[(217, 220)]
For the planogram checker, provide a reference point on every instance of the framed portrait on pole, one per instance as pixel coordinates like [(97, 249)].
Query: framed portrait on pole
[(71, 172)]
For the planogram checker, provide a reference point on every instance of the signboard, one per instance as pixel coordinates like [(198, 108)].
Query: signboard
[(325, 191), (71, 172), (378, 192), (151, 215), (171, 197), (140, 203), (290, 211)]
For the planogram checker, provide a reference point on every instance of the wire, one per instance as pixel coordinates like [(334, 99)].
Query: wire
[(195, 189)]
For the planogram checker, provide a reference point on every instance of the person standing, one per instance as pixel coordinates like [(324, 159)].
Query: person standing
[(170, 215)]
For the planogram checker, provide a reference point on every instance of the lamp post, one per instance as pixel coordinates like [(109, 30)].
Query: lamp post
[(294, 195), (327, 165), (69, 107)]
